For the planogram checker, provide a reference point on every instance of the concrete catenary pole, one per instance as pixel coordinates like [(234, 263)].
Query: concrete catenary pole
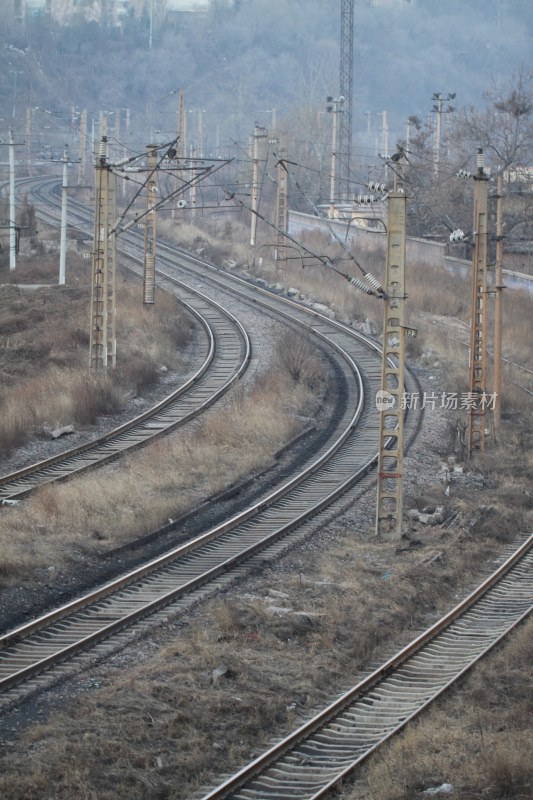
[(498, 309), (150, 229), (478, 323), (259, 133), (63, 236), (12, 210)]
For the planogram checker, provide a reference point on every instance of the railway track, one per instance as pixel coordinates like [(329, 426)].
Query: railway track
[(35, 654), (224, 355), (316, 759)]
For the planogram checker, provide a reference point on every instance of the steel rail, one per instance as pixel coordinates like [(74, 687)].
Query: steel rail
[(220, 368), (318, 756), (229, 544), (343, 460)]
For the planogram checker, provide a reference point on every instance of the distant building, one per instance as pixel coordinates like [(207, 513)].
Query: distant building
[(26, 9), (104, 12), (187, 5), (389, 3)]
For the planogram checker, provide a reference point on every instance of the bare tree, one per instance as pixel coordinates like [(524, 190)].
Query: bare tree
[(296, 354), (505, 128)]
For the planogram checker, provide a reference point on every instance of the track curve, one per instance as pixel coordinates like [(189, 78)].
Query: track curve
[(314, 760), (227, 354), (220, 554)]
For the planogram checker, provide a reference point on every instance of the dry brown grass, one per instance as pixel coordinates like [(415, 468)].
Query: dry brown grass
[(102, 510), (162, 725), (44, 355), (478, 738), (166, 726)]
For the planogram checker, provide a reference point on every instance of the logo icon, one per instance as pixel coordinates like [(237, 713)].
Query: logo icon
[(384, 400)]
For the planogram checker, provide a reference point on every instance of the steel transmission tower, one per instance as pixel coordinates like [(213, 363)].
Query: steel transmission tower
[(344, 148)]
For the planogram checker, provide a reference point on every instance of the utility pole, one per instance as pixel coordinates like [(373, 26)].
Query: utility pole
[(334, 107), (192, 195), (478, 323), (259, 133), (280, 253), (385, 142), (27, 136), (63, 236), (438, 109), (12, 210), (180, 146), (83, 147), (150, 229), (389, 506), (102, 345), (498, 308)]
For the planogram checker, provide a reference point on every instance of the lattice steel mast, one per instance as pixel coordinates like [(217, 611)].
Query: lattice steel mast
[(344, 141), (389, 507)]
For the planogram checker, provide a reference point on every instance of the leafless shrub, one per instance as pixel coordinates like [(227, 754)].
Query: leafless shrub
[(92, 395), (296, 353)]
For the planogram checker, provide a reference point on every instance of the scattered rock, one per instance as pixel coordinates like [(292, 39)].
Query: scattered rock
[(218, 673), (320, 308), (444, 788), (278, 610), (277, 593), (366, 327), (64, 431), (428, 516)]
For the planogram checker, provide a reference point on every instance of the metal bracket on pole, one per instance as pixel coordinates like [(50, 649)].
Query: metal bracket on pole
[(389, 506)]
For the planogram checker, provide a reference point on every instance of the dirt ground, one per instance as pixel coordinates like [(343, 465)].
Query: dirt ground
[(208, 689)]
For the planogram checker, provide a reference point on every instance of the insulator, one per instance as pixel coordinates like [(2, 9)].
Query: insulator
[(374, 283), (360, 285), (102, 153), (480, 159), (457, 235)]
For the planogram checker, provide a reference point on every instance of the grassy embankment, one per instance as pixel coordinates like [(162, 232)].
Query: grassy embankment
[(165, 726), (44, 356)]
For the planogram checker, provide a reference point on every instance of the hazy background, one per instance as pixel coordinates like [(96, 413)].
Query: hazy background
[(261, 60)]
